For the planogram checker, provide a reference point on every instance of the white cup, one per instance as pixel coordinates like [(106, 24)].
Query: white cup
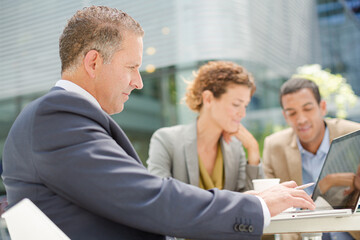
[(263, 184)]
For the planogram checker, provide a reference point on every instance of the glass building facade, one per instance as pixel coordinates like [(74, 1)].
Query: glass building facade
[(270, 38), (339, 22)]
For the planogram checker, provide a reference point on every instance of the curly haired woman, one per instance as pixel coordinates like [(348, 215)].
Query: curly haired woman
[(209, 153)]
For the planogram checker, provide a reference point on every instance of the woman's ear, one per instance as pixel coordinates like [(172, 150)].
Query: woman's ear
[(91, 61), (207, 97)]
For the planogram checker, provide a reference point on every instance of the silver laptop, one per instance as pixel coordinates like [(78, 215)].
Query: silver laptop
[(336, 200)]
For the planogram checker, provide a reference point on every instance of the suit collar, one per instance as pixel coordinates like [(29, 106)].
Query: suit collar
[(333, 130), (104, 119), (293, 159), (121, 139), (192, 159), (191, 153), (231, 166), (293, 155), (72, 87)]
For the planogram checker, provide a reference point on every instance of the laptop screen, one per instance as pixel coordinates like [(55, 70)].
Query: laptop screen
[(339, 180)]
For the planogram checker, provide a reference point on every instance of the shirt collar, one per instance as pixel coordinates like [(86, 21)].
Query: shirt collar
[(72, 87), (324, 146)]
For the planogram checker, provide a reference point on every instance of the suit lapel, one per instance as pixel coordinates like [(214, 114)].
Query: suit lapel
[(122, 140), (294, 162), (109, 124), (230, 166), (333, 132), (191, 154)]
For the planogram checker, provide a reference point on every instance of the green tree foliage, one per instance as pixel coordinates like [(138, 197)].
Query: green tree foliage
[(333, 87)]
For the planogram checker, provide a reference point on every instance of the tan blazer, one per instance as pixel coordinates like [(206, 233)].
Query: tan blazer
[(282, 158), (281, 155), (173, 153)]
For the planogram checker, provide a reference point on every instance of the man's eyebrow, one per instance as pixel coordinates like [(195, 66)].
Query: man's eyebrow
[(134, 64), (289, 109), (308, 104), (304, 105)]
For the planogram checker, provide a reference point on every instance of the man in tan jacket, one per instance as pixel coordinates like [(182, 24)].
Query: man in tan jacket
[(298, 153)]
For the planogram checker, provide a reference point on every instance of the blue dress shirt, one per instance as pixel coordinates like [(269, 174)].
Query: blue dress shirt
[(311, 169), (312, 163)]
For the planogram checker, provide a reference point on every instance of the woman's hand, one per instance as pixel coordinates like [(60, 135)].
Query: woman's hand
[(248, 141)]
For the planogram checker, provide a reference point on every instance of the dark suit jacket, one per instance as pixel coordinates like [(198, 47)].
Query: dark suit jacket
[(75, 163)]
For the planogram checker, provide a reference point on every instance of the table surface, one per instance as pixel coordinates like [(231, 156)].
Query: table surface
[(318, 224)]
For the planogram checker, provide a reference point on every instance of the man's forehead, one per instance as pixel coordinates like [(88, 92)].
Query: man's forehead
[(302, 95), (131, 48), (293, 101)]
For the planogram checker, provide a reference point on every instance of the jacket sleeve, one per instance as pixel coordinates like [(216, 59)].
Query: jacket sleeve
[(253, 172)]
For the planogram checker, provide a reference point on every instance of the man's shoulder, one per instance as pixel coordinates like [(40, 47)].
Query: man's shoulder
[(341, 122), (59, 100), (338, 127), (32, 108), (62, 108), (60, 97), (55, 97)]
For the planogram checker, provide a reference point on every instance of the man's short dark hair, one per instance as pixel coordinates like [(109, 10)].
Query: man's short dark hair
[(296, 84)]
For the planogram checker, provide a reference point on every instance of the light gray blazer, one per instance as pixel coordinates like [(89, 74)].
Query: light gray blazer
[(77, 165), (173, 153)]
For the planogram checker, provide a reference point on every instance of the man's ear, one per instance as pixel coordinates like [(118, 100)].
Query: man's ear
[(91, 61), (207, 97), (285, 116), (323, 108)]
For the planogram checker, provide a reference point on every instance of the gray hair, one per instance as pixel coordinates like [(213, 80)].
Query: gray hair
[(97, 28)]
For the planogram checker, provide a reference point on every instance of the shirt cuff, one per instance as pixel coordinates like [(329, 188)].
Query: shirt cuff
[(266, 212)]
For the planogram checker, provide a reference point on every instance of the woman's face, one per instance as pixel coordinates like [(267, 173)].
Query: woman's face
[(228, 110)]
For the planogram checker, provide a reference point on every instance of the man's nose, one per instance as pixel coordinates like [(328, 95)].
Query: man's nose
[(301, 118), (137, 81)]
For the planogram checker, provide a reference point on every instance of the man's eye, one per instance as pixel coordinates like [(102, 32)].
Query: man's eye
[(291, 113), (308, 109)]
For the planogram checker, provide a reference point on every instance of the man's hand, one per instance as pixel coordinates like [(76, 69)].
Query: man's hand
[(284, 196)]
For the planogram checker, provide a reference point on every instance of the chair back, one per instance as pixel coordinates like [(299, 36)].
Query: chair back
[(26, 221)]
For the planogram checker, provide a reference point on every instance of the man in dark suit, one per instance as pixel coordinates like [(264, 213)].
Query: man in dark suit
[(66, 154)]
